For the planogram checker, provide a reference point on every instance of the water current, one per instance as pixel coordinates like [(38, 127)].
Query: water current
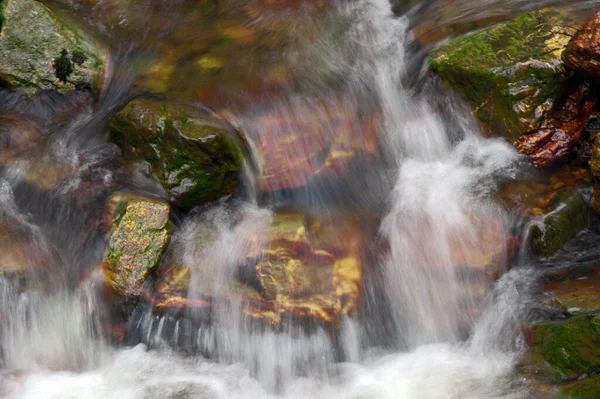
[(428, 329)]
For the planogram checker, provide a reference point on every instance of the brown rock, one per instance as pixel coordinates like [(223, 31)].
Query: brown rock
[(306, 269), (583, 52), (559, 136), (315, 140)]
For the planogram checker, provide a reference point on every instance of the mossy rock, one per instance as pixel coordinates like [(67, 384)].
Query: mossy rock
[(140, 233), (510, 73), (560, 225), (191, 153), (36, 50), (587, 388), (567, 350)]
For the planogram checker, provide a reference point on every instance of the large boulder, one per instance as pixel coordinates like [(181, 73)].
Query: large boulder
[(190, 152), (140, 233), (37, 51), (304, 269), (560, 225), (509, 73)]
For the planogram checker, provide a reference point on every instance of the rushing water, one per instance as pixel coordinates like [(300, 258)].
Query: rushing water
[(430, 329)]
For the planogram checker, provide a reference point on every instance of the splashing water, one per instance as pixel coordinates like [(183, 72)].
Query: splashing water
[(449, 331)]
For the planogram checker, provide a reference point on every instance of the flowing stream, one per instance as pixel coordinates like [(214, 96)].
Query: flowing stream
[(429, 329)]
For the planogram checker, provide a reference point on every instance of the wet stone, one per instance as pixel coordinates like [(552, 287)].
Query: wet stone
[(566, 350), (583, 52), (509, 73), (560, 225), (37, 50), (140, 232), (190, 152)]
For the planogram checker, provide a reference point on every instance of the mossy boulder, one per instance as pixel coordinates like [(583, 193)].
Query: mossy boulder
[(191, 153), (37, 50), (560, 225), (587, 388), (509, 73), (140, 233), (566, 350)]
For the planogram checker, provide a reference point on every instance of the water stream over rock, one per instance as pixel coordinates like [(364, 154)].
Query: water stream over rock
[(354, 241)]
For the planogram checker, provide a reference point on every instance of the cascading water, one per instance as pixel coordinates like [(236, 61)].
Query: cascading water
[(449, 331)]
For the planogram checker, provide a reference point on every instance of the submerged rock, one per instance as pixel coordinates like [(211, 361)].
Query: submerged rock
[(190, 152), (305, 270), (560, 225), (309, 268), (510, 73), (140, 232), (37, 51), (305, 142), (573, 290)]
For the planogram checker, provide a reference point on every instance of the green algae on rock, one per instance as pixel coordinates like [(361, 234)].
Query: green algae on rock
[(32, 39), (190, 152), (510, 73), (587, 388), (566, 350), (560, 225), (140, 234)]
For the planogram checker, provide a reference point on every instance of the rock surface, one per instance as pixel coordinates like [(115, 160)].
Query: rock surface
[(563, 130), (307, 270), (510, 73), (560, 225), (32, 41), (190, 152), (311, 141), (582, 55), (140, 232), (566, 350)]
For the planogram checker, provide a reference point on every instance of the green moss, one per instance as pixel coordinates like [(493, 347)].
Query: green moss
[(560, 225), (568, 349), (191, 153), (140, 234), (588, 388), (508, 70)]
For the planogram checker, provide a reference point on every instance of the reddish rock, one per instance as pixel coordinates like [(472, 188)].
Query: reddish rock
[(583, 52), (307, 269), (298, 144), (561, 134)]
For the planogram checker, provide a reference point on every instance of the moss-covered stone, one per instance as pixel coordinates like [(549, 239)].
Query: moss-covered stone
[(191, 153), (560, 225), (587, 388), (566, 350), (32, 39), (510, 73), (140, 233)]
